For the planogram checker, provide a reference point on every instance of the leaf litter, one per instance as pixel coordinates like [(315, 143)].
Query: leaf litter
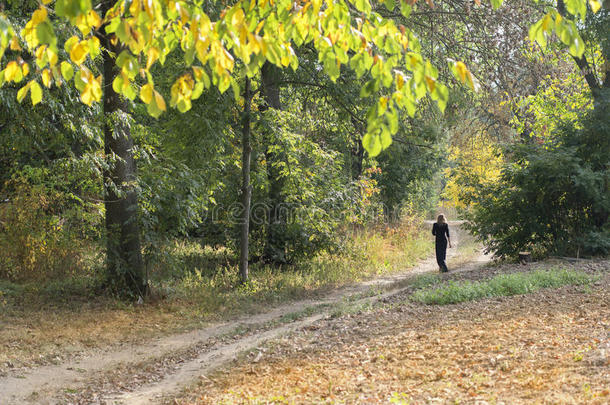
[(552, 346)]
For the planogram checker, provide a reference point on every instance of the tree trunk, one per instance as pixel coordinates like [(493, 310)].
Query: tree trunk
[(275, 244), (246, 188), (125, 267), (357, 150), (595, 85)]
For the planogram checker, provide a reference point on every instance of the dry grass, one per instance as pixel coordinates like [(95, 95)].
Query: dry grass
[(41, 324), (40, 336), (538, 348)]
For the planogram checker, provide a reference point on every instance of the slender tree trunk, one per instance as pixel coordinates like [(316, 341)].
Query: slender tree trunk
[(585, 67), (358, 150), (246, 187), (125, 266), (275, 244), (358, 158)]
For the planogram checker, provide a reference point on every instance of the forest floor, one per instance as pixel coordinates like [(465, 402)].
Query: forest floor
[(366, 343)]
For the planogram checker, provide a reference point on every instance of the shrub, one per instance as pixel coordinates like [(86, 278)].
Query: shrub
[(552, 197), (41, 234)]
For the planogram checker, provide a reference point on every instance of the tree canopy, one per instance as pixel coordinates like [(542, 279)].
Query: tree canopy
[(218, 47)]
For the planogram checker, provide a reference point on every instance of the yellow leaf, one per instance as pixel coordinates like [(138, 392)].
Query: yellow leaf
[(595, 5), (35, 93), (146, 93), (413, 60), (201, 46), (87, 96), (135, 8), (82, 25), (238, 18), (23, 92), (39, 16), (12, 71), (46, 77), (198, 72), (259, 27), (153, 55), (383, 105), (93, 90), (400, 81), (462, 70), (52, 56), (15, 44), (227, 60), (25, 68), (93, 19), (547, 22), (160, 101), (431, 83), (79, 52), (39, 53)]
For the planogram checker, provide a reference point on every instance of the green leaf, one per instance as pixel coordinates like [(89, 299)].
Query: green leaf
[(197, 90), (153, 109), (113, 25), (386, 137), (363, 6), (46, 34), (577, 47), (70, 43), (369, 88), (117, 84), (405, 8), (130, 92), (184, 105), (389, 4), (496, 3), (67, 71), (80, 84), (393, 121), (23, 92), (442, 96), (371, 144), (577, 7)]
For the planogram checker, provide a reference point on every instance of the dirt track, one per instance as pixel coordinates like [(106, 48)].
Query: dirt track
[(549, 347), (135, 374)]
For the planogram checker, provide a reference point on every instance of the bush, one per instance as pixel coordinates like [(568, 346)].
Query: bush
[(553, 196), (41, 234)]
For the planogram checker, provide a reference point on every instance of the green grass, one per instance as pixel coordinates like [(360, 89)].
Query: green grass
[(503, 285), (425, 280)]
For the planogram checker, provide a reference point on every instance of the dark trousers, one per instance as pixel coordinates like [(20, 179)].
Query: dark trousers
[(441, 254)]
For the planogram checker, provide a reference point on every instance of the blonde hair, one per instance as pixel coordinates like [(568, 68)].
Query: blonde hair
[(441, 219)]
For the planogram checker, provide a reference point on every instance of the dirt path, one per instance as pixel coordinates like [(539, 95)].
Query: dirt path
[(139, 374), (548, 347)]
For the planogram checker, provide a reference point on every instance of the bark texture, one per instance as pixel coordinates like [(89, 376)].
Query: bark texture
[(125, 266), (246, 187), (275, 244)]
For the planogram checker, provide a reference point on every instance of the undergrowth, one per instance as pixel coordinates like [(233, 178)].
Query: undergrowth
[(502, 285), (217, 291)]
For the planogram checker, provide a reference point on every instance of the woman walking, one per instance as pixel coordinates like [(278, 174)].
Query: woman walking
[(441, 230)]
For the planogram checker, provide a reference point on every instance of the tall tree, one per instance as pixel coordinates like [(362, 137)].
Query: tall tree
[(246, 190), (145, 32), (275, 244), (124, 254)]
